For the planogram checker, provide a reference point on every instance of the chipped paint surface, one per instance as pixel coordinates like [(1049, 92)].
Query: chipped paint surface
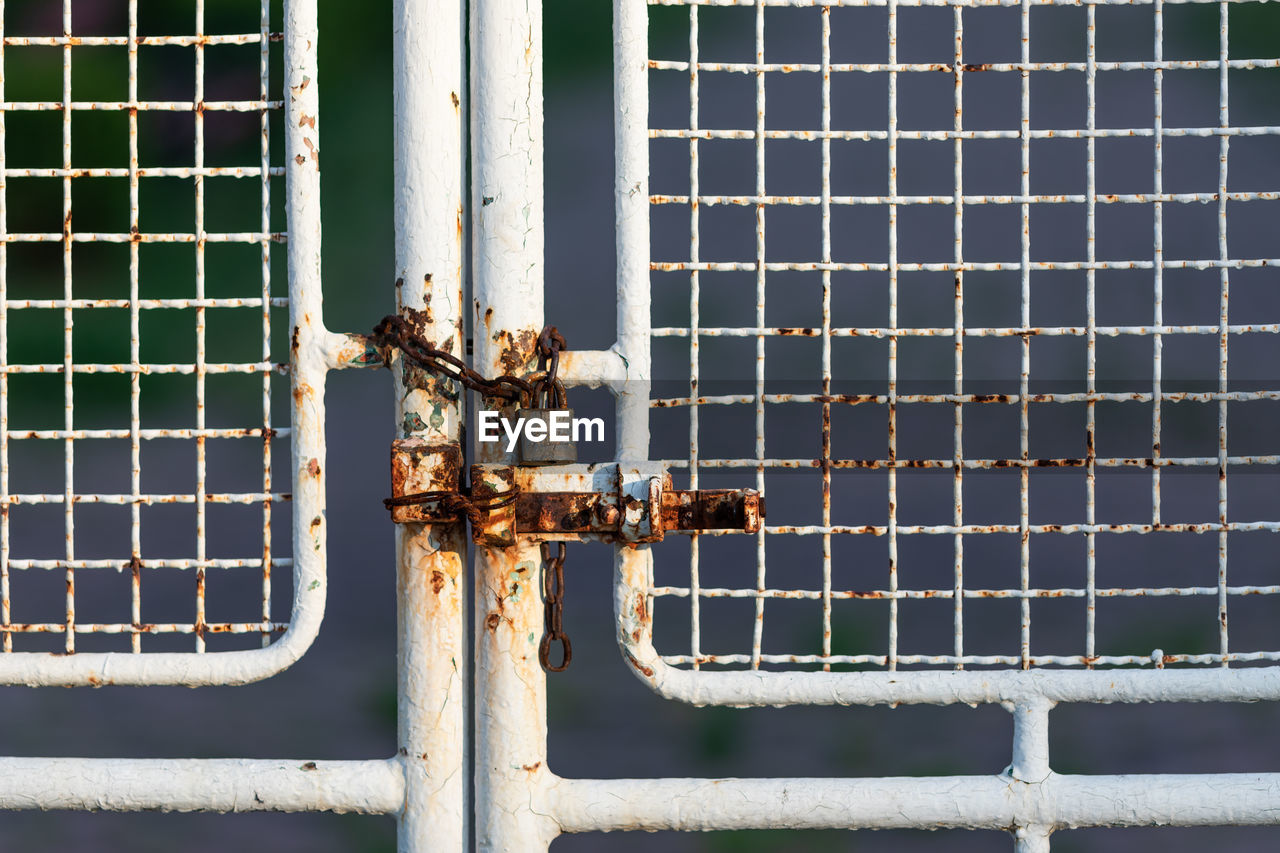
[(432, 591)]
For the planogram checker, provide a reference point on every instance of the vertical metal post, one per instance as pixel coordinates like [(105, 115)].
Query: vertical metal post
[(432, 689), (1031, 765), (631, 217), (510, 687)]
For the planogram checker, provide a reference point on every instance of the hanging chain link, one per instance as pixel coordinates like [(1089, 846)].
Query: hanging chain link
[(553, 608), (547, 390)]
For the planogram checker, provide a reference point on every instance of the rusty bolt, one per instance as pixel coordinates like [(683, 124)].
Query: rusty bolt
[(607, 513)]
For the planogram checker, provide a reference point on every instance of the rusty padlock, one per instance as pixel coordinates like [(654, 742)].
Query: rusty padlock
[(546, 437)]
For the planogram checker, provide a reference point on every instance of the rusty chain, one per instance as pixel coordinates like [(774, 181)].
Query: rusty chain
[(474, 508), (395, 331), (553, 609), (547, 390)]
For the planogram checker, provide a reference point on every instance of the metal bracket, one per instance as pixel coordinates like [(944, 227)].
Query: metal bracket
[(611, 501), (420, 466)]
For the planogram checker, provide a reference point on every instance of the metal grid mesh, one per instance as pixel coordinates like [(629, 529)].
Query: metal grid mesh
[(962, 521), (150, 112)]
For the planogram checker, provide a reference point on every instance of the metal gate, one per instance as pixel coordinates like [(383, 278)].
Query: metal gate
[(809, 368)]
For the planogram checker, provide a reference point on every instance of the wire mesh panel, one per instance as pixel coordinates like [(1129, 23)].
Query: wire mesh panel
[(144, 337), (983, 297)]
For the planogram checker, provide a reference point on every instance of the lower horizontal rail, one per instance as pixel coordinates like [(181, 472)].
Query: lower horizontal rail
[(945, 802), (585, 805), (213, 785)]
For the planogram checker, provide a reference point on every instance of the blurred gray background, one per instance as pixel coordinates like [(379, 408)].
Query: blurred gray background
[(338, 702)]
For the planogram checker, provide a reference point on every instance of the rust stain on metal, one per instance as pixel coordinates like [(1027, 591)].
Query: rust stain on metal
[(418, 466), (313, 468), (647, 671), (497, 526), (492, 621), (437, 581), (642, 615), (516, 351), (420, 320), (712, 509)]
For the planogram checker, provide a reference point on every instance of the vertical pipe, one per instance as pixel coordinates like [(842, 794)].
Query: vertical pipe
[(5, 613), (307, 338), (433, 659), (1030, 741), (202, 548), (507, 149), (511, 702), (1031, 765), (631, 193), (1031, 839), (68, 320)]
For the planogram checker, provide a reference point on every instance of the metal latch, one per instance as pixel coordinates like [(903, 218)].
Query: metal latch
[(626, 502)]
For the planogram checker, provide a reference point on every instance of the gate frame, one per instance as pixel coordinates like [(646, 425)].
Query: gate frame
[(520, 804)]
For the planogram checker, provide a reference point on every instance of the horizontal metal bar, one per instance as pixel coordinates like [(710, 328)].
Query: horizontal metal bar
[(144, 628), (947, 135), (991, 266), (142, 106), (883, 594), (149, 172), (145, 434), (150, 369), (144, 41), (1157, 658), (152, 563), (997, 67), (909, 200), (760, 688), (212, 785), (966, 331), (989, 802), (144, 304), (991, 399), (596, 368), (812, 4), (990, 464), (151, 500), (144, 237)]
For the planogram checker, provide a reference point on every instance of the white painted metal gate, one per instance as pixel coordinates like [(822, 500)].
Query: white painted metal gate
[(859, 224)]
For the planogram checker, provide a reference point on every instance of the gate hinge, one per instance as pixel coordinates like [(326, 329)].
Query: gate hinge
[(626, 502)]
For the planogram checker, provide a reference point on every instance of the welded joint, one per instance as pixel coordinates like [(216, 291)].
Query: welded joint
[(354, 350), (1030, 740)]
